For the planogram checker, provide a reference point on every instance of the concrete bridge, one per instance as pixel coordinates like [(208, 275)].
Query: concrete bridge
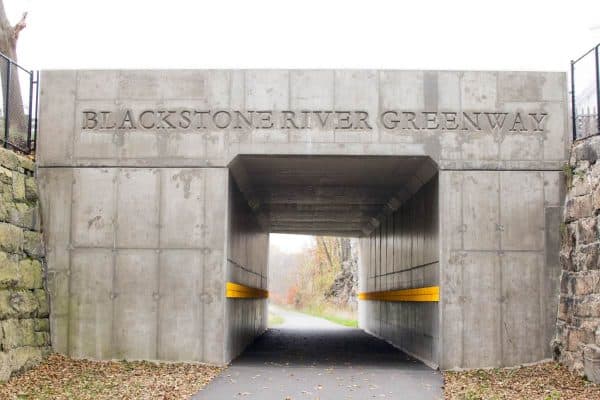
[(160, 188)]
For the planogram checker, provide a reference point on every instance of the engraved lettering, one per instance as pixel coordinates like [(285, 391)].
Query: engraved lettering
[(343, 120), (248, 119), (105, 119), (265, 119), (474, 123), (322, 121), (289, 116), (518, 121), (200, 123), (410, 119), (224, 122), (90, 120), (143, 118), (450, 121), (306, 119), (186, 121), (163, 119), (127, 119), (390, 122), (431, 121), (497, 121), (538, 122), (362, 116)]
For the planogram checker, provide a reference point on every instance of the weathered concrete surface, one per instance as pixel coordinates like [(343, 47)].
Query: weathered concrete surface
[(66, 94), (499, 266), (321, 361), (24, 327), (153, 289), (498, 194)]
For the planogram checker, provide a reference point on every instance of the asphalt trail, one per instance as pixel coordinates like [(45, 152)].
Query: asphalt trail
[(311, 358)]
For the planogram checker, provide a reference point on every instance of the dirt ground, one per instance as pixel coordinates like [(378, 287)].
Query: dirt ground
[(547, 381), (60, 377)]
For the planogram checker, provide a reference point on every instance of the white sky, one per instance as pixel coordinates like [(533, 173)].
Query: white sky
[(421, 34), (418, 34), (291, 243)]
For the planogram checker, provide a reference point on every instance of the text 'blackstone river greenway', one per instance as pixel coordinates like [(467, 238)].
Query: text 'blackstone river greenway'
[(191, 119)]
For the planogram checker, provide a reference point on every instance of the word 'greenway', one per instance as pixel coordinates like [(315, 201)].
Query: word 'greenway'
[(190, 120)]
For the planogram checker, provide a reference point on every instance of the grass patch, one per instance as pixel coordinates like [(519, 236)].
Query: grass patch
[(338, 317), (352, 323), (275, 319)]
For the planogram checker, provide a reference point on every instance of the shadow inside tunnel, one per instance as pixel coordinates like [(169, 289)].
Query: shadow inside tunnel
[(348, 347)]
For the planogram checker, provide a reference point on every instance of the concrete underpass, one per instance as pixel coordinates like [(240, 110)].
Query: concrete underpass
[(390, 203), (158, 191)]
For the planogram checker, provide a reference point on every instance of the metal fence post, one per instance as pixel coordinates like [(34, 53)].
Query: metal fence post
[(29, 119), (597, 88), (37, 102), (6, 102), (573, 112)]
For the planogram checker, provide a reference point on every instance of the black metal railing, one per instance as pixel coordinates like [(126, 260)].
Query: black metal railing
[(20, 92), (585, 94)]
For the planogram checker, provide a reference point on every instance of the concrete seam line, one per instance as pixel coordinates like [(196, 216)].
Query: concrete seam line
[(422, 294)]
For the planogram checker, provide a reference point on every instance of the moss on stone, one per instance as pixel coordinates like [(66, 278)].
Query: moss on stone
[(8, 271), (11, 238), (30, 274)]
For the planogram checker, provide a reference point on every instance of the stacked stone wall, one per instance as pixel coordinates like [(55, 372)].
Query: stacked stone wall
[(24, 326)]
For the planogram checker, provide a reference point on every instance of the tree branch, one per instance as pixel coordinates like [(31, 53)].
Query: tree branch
[(19, 26), (326, 251)]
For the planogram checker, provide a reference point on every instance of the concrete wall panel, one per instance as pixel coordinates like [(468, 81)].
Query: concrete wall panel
[(135, 306), (138, 209), (94, 210), (91, 308), (56, 194), (134, 272), (481, 290), (181, 306), (521, 312), (501, 296), (522, 219)]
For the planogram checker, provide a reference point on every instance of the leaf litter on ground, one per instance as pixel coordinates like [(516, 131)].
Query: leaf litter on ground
[(60, 377)]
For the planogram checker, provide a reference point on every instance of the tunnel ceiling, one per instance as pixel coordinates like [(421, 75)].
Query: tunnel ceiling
[(327, 195)]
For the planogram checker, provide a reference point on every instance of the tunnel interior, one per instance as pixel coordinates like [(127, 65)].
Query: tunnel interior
[(389, 203)]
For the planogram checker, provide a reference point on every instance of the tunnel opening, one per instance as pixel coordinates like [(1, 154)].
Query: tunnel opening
[(388, 203)]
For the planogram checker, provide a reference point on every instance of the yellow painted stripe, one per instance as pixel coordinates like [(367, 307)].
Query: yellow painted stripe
[(430, 293), (238, 291)]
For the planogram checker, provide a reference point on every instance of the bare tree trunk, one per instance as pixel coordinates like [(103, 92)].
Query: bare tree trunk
[(322, 242), (8, 46)]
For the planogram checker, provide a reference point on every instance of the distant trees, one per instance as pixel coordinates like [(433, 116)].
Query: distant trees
[(9, 35)]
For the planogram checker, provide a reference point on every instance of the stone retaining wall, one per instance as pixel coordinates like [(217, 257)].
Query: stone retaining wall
[(24, 327), (578, 327)]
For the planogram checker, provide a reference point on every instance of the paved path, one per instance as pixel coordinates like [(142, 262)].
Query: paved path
[(311, 358)]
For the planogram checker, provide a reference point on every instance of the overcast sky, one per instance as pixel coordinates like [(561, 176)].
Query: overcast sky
[(423, 34)]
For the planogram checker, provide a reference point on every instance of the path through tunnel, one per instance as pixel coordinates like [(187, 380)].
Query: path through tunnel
[(389, 203)]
